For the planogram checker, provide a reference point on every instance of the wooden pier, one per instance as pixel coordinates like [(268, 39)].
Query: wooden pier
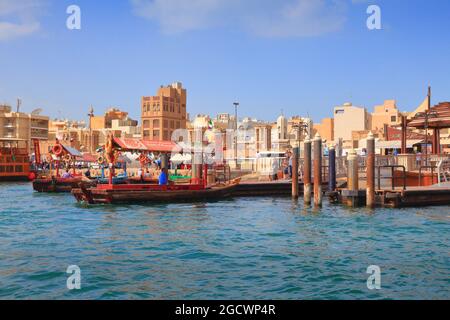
[(397, 198)]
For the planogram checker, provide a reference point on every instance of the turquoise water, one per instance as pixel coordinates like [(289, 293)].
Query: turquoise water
[(248, 248)]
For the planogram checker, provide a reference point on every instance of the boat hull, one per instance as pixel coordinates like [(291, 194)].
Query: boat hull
[(113, 196), (57, 185)]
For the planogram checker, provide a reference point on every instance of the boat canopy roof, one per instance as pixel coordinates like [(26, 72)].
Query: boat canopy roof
[(131, 144), (71, 151)]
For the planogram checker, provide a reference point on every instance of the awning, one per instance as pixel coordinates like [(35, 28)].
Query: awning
[(130, 144), (72, 151), (396, 144)]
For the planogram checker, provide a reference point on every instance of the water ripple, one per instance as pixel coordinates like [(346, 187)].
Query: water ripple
[(262, 248)]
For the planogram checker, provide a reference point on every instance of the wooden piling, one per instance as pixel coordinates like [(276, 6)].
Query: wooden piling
[(295, 157), (332, 169), (317, 170), (370, 171), (307, 172), (352, 173)]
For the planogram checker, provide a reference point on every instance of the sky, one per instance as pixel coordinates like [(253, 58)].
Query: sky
[(299, 57)]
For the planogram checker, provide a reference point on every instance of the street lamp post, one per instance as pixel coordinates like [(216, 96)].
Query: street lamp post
[(91, 115), (236, 105)]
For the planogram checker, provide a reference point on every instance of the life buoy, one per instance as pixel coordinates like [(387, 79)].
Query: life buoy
[(100, 160), (57, 150), (31, 176)]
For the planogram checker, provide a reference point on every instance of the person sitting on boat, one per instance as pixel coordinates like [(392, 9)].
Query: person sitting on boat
[(140, 173), (163, 179), (67, 175), (122, 174), (87, 174)]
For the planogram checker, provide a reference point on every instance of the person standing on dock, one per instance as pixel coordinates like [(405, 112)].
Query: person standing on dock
[(163, 179)]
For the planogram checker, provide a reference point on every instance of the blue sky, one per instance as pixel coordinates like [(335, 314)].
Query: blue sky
[(300, 56)]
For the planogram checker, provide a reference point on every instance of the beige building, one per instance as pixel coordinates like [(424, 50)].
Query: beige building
[(385, 114), (73, 134), (105, 121), (325, 129), (25, 127), (128, 127), (164, 113), (349, 118)]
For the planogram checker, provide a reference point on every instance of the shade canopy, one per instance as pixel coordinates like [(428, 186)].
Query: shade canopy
[(131, 144), (71, 151), (437, 117)]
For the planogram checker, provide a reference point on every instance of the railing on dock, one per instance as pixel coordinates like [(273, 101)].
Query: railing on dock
[(392, 177)]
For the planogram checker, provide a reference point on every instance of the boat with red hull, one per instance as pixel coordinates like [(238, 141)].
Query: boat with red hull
[(14, 161)]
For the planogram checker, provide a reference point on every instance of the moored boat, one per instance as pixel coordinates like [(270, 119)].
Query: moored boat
[(51, 185), (112, 194)]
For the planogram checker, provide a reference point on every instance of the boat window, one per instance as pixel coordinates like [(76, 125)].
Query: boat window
[(2, 169), (19, 168)]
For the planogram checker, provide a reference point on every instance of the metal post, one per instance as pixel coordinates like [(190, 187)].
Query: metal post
[(307, 172), (236, 104), (295, 157), (332, 169), (317, 170), (370, 171), (352, 174)]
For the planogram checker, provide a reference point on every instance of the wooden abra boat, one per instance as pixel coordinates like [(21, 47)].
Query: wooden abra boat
[(111, 194), (57, 185)]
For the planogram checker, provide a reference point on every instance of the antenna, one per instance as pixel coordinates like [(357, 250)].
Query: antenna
[(19, 102)]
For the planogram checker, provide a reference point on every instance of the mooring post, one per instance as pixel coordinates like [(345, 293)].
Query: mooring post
[(352, 174), (295, 158), (370, 171), (307, 192), (317, 170), (332, 169)]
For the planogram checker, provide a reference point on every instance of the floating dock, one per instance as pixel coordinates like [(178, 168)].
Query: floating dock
[(398, 198)]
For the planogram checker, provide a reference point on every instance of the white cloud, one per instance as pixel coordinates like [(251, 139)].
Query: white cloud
[(18, 18), (268, 18)]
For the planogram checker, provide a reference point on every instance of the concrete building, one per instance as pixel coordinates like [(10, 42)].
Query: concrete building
[(24, 127), (325, 129), (128, 127), (164, 113), (73, 134), (385, 114), (348, 118), (105, 121)]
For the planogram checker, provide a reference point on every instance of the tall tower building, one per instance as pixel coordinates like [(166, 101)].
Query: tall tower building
[(164, 113)]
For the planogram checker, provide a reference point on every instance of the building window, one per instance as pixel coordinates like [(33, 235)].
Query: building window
[(166, 135), (146, 123), (178, 125), (146, 133), (393, 119), (340, 111), (156, 123), (166, 124), (172, 124), (155, 134)]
